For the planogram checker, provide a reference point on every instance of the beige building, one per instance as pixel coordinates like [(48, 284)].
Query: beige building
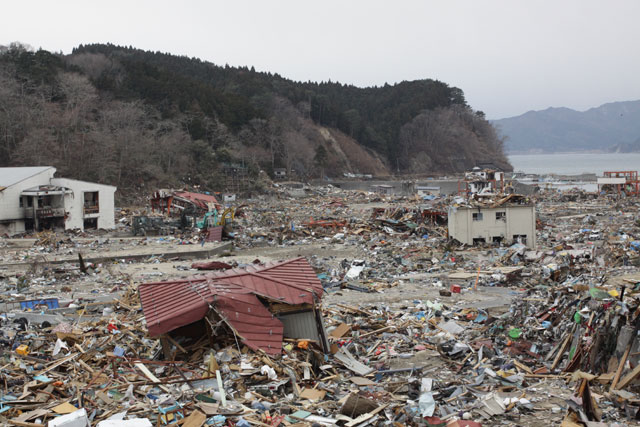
[(506, 224)]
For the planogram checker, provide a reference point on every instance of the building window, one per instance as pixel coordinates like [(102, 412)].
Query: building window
[(91, 202), (520, 238), (501, 216), (477, 216), (479, 241), (497, 239), (21, 202)]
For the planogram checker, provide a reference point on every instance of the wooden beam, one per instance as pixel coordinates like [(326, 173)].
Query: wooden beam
[(628, 378), (24, 424), (561, 352), (623, 360)]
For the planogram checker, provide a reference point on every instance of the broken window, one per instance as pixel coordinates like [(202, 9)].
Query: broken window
[(477, 216), (91, 205), (501, 216), (497, 239), (520, 238), (479, 241)]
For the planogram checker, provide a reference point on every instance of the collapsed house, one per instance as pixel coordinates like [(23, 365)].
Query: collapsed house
[(260, 304), (511, 219), (31, 199), (482, 181), (175, 203)]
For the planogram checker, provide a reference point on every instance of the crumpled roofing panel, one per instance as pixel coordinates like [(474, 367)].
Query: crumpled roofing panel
[(233, 294)]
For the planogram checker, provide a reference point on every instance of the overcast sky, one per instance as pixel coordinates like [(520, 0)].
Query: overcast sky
[(508, 56)]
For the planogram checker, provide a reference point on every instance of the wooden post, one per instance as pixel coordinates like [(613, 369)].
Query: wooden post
[(620, 367)]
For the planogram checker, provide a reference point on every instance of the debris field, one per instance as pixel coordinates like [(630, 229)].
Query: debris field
[(339, 308)]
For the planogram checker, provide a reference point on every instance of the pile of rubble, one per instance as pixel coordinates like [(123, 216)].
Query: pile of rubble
[(383, 321)]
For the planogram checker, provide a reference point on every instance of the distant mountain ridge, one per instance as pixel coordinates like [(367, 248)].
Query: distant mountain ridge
[(610, 127)]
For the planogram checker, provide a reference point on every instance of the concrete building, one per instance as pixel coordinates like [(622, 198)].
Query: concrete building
[(506, 224), (32, 199)]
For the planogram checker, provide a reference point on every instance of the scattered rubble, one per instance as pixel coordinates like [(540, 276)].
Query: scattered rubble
[(340, 308)]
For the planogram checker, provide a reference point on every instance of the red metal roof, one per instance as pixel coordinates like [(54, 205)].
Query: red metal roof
[(233, 294), (292, 281), (253, 323), (199, 199)]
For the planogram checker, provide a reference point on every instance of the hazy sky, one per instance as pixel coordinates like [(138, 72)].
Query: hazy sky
[(507, 56)]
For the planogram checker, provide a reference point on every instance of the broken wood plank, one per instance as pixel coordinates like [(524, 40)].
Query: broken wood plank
[(147, 373), (623, 360), (58, 363), (364, 417), (196, 419), (628, 378), (523, 367), (23, 424), (377, 331), (340, 331), (561, 352)]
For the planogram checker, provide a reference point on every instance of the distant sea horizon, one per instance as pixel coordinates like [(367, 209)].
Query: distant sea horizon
[(574, 163)]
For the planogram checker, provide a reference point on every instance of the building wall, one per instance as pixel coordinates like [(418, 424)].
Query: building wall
[(12, 227), (520, 220), (10, 196), (11, 214), (74, 203)]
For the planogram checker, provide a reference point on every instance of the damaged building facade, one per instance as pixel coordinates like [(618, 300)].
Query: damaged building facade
[(506, 224), (482, 181), (172, 202), (32, 199)]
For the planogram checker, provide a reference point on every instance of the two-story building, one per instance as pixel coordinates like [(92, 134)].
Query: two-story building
[(506, 224), (32, 199)]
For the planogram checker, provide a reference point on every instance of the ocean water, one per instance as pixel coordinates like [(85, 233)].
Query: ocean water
[(575, 164)]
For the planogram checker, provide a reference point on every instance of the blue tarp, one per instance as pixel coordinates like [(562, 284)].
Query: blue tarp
[(31, 304)]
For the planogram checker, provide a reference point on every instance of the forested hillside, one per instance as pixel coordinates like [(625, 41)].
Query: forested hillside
[(134, 118)]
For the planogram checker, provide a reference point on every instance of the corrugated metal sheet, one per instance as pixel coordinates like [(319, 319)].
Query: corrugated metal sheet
[(300, 325), (253, 323), (292, 281), (170, 305), (232, 293)]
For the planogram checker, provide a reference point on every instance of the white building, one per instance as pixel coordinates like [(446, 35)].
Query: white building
[(32, 199), (506, 224)]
